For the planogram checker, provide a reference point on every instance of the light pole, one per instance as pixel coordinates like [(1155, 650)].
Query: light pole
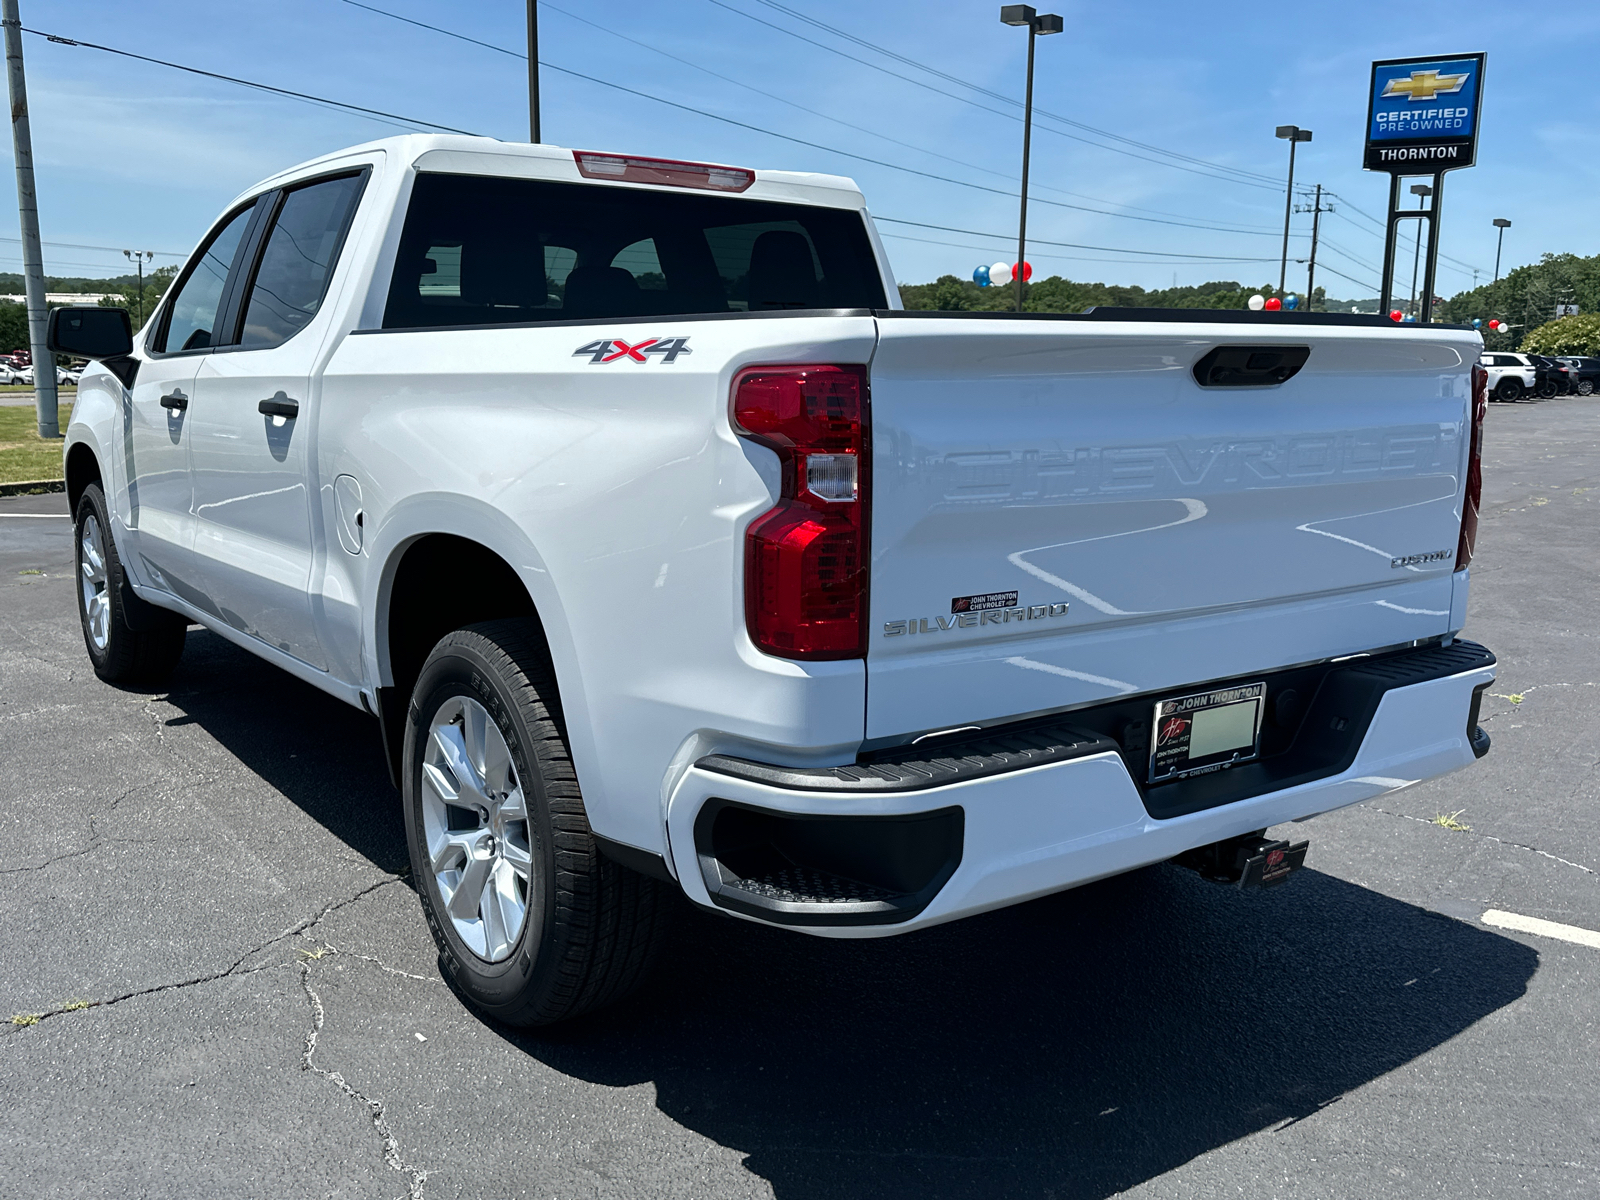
[(1502, 225), (1023, 14), (1294, 135), (1421, 191), (139, 258)]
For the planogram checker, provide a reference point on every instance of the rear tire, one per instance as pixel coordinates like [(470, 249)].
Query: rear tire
[(120, 653), (1586, 387), (1509, 391), (534, 925), (1547, 391)]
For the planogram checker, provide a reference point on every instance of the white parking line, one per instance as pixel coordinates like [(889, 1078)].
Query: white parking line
[(1549, 929), (38, 516)]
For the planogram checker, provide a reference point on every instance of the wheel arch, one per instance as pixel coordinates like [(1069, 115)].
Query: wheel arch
[(444, 567), (82, 469)]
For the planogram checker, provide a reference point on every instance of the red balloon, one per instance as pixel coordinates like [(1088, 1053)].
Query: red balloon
[(1027, 271), (1273, 304), (1397, 315), (1494, 324)]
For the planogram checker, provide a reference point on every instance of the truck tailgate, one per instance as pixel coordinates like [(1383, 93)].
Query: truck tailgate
[(1156, 533)]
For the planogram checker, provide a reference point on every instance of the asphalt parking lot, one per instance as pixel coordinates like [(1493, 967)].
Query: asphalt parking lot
[(205, 905)]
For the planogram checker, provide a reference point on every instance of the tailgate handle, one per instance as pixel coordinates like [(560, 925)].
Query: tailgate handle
[(1250, 366)]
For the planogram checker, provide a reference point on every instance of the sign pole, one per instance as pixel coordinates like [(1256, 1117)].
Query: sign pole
[(1431, 272), (1390, 227)]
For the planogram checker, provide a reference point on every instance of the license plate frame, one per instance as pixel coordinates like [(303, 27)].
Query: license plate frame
[(1173, 731)]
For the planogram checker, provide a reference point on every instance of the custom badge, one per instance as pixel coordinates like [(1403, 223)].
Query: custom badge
[(609, 350)]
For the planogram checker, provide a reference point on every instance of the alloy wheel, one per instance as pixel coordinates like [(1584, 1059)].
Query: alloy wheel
[(475, 821), (94, 582)]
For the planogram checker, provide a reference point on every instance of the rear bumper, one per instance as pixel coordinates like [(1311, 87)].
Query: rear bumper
[(1027, 832)]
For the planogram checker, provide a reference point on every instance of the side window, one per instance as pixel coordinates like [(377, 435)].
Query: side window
[(298, 260), (193, 316)]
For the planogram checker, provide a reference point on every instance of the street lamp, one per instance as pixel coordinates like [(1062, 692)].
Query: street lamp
[(140, 257), (1292, 134), (1023, 14), (1502, 225), (1421, 191)]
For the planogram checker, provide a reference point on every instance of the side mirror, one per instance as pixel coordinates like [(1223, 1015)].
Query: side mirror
[(85, 332)]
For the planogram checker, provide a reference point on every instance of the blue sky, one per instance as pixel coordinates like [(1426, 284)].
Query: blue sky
[(135, 155)]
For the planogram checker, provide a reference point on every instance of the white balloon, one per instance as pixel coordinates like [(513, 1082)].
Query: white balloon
[(1256, 302), (1000, 274)]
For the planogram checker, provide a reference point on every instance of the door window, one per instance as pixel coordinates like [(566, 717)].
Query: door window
[(193, 318), (298, 260)]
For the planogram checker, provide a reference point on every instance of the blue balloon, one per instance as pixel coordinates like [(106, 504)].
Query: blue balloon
[(1291, 302), (981, 276), (1477, 322), (1410, 318)]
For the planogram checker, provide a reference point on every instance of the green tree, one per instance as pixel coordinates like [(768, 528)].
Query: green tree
[(140, 306), (1565, 335), (949, 294), (13, 327)]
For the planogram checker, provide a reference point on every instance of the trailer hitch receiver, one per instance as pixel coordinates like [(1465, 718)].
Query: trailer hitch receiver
[(1252, 860)]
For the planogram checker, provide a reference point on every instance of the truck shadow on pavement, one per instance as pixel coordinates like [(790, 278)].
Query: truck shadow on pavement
[(1072, 1047)]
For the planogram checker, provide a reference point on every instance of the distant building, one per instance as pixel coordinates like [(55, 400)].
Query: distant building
[(69, 297)]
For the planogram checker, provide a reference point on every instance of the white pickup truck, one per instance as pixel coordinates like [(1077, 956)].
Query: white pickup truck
[(670, 552)]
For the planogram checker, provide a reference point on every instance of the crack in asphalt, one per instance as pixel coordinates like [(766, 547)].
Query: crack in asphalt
[(415, 1177), (1489, 837), (380, 964), (233, 969)]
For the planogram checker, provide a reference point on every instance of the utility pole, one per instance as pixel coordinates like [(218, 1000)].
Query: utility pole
[(533, 71), (1294, 135), (44, 363), (140, 257), (1316, 210), (1023, 14), (1502, 225)]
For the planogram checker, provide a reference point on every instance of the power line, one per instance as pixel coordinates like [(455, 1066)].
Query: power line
[(1175, 262), (1072, 245), (965, 100), (877, 162), (1236, 226), (264, 87), (1038, 112), (1352, 279), (108, 249)]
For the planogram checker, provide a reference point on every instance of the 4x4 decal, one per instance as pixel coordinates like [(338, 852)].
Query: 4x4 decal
[(615, 349)]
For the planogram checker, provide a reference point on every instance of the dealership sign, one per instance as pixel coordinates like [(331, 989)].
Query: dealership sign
[(1422, 114)]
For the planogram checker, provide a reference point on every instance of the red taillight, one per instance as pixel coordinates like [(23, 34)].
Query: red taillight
[(806, 558), (634, 168), (1474, 496)]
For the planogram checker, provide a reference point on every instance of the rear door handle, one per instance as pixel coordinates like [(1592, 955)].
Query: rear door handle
[(175, 400), (279, 406)]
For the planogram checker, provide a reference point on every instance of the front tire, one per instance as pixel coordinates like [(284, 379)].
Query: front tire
[(534, 925), (120, 653), (1586, 387)]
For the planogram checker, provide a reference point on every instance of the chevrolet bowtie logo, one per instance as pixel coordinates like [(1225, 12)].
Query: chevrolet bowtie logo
[(1424, 85)]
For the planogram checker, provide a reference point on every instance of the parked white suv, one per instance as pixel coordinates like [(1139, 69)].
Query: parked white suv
[(671, 553), (1511, 376)]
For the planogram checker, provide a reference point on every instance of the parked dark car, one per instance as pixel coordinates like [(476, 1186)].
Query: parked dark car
[(1585, 373), (1551, 378)]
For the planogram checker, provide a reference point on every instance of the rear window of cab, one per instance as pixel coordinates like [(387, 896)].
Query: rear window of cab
[(478, 250)]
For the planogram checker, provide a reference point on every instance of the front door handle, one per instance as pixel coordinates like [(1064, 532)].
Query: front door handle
[(279, 406), (175, 401)]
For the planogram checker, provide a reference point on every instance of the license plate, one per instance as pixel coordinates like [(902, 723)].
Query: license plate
[(1207, 731)]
